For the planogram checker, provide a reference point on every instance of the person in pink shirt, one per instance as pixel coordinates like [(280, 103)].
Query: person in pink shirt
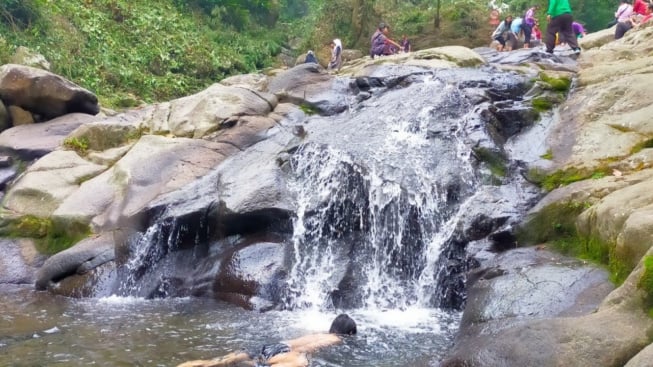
[(624, 11)]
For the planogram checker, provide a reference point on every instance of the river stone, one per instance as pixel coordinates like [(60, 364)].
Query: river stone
[(36, 140), (611, 336), (205, 112), (48, 182), (19, 261), (44, 93), (130, 184), (82, 257)]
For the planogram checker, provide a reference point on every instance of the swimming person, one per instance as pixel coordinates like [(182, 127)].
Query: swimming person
[(291, 353)]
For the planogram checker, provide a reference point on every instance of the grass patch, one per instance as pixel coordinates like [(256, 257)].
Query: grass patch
[(643, 145), (556, 225), (548, 155), (309, 109), (50, 236), (542, 104), (80, 145), (564, 177), (561, 84)]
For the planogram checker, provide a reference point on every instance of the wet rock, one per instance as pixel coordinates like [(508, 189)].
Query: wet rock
[(254, 270), (44, 93), (83, 257)]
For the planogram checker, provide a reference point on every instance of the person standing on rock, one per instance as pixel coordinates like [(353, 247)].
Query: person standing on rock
[(560, 20), (336, 55)]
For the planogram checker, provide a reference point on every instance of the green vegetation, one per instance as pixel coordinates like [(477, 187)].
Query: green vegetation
[(542, 104), (565, 177), (558, 84), (643, 145), (124, 48), (51, 237), (134, 51), (556, 225), (496, 161), (80, 145), (646, 282), (548, 155)]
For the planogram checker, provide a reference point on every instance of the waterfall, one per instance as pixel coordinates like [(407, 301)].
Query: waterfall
[(371, 231)]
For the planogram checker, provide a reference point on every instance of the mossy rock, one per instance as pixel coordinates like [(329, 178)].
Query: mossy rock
[(556, 82), (495, 160), (646, 280), (51, 236)]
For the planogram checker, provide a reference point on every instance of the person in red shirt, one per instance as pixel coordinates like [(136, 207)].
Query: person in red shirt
[(640, 7)]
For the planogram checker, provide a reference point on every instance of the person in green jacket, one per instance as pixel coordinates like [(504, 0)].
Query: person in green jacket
[(560, 19)]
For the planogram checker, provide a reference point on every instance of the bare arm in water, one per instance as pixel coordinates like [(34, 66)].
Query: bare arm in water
[(295, 358)]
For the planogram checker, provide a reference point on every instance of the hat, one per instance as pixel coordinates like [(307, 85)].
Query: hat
[(383, 25)]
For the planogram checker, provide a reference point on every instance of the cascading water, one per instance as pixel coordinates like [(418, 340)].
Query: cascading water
[(370, 229)]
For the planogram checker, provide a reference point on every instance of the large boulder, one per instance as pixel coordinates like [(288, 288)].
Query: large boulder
[(612, 104), (153, 166), (48, 182), (36, 140), (308, 85), (208, 111), (547, 326), (43, 93)]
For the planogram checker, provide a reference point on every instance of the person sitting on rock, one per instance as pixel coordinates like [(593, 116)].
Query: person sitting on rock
[(381, 44), (310, 57), (503, 34), (633, 22), (641, 7), (336, 55), (291, 353)]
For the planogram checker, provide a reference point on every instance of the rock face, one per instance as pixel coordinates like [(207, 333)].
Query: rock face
[(43, 93), (603, 131)]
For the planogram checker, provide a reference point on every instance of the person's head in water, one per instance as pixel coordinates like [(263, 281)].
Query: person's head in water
[(343, 325)]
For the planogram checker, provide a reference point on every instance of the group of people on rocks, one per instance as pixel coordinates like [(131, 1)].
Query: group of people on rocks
[(561, 28), (382, 45), (630, 16)]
